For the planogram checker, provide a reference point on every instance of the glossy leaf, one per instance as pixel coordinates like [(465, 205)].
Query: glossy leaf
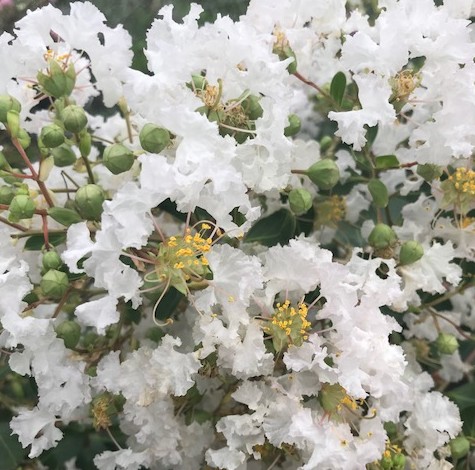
[(387, 161), (278, 227), (36, 242), (379, 193), (64, 216), (337, 87)]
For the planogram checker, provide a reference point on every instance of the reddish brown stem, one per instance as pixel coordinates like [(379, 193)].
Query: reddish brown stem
[(34, 174), (12, 224), (44, 217), (313, 85)]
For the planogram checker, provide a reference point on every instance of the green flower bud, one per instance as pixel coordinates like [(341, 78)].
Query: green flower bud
[(399, 461), (386, 463), (411, 252), (58, 82), (24, 138), (325, 173), (294, 126), (51, 260), (23, 189), (252, 107), (74, 118), (7, 193), (54, 283), (118, 158), (52, 135), (89, 200), (300, 201), (459, 447), (85, 143), (69, 332), (382, 236), (13, 122), (8, 103), (22, 207), (63, 155), (325, 143), (154, 139), (446, 343)]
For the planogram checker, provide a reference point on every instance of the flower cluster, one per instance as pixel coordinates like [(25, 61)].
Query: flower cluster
[(262, 257)]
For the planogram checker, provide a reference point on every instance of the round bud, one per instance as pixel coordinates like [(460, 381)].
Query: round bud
[(8, 103), (63, 155), (459, 447), (294, 126), (446, 343), (411, 252), (51, 260), (23, 189), (89, 200), (118, 158), (7, 193), (74, 118), (325, 173), (252, 107), (54, 283), (154, 139), (300, 201), (85, 143), (52, 135), (325, 143), (399, 462), (69, 332), (382, 236), (22, 207), (386, 462)]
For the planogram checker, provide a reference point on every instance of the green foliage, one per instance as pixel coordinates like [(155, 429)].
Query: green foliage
[(276, 228)]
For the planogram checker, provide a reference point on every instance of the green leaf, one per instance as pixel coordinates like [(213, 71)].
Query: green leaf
[(36, 242), (337, 87), (166, 308), (379, 192), (387, 161), (371, 134), (278, 227), (463, 396), (11, 452), (64, 216)]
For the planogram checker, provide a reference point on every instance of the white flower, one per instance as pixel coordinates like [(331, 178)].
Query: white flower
[(373, 92), (37, 428)]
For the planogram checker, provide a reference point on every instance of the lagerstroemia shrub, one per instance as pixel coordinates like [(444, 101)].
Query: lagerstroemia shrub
[(262, 256)]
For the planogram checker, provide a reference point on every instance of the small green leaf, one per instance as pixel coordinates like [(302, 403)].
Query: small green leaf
[(379, 193), (337, 87), (387, 161), (371, 134), (278, 227), (36, 242), (64, 216)]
